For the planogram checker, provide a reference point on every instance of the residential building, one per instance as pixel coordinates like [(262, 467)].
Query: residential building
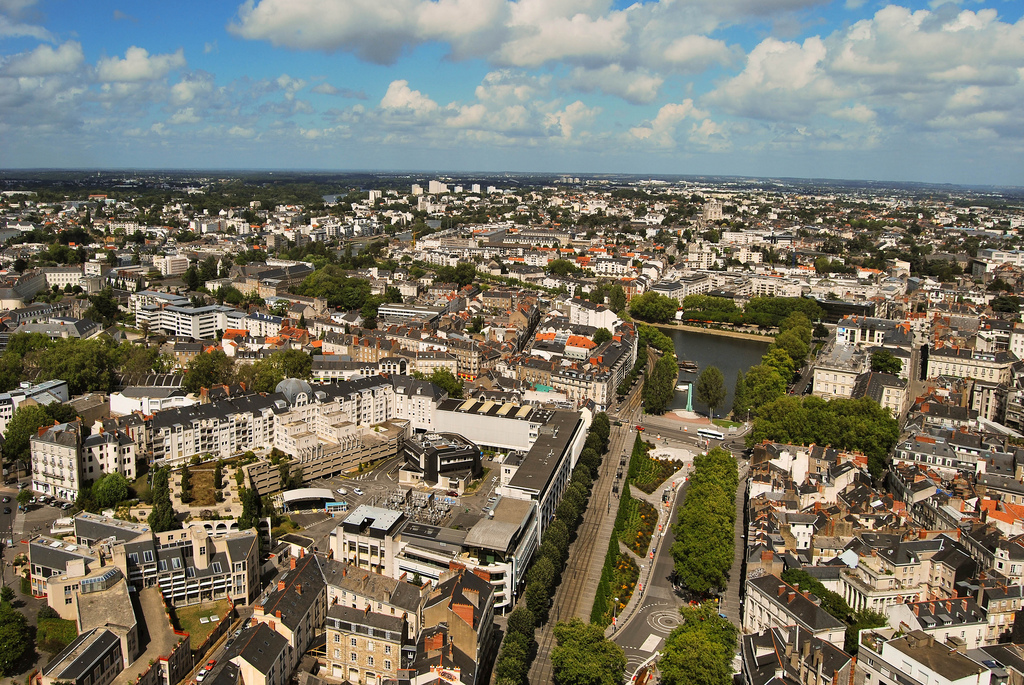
[(770, 602), (888, 658)]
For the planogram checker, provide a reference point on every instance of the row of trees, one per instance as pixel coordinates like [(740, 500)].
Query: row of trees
[(513, 664), (162, 517), (767, 381), (699, 651), (703, 549)]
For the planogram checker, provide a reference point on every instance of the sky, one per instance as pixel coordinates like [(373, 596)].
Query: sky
[(920, 90)]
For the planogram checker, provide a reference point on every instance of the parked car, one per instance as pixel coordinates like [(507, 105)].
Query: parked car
[(7, 510), (341, 491), (6, 499), (358, 491)]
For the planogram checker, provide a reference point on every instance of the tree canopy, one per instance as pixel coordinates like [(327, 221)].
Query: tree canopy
[(700, 649), (653, 307), (884, 361), (163, 516), (703, 549), (584, 656), (711, 388), (845, 424), (208, 369)]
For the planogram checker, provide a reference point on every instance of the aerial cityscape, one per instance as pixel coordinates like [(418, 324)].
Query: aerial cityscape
[(512, 342)]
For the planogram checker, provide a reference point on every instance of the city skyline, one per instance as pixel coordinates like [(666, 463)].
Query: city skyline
[(913, 91)]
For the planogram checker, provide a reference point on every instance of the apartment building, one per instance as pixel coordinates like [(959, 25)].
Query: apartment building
[(963, 362), (770, 602), (367, 539), (836, 371), (297, 607), (365, 646), (890, 658), (63, 463)]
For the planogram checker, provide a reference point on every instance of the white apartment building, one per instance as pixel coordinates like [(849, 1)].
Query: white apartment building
[(63, 463), (171, 265), (836, 371), (967, 363), (44, 393), (62, 276)]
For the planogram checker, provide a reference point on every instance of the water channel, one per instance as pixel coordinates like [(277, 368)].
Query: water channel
[(730, 355)]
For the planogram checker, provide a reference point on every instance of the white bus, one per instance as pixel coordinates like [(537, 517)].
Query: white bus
[(710, 434)]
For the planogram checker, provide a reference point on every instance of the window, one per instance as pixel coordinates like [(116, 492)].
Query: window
[(352, 657), (215, 566), (387, 664), (337, 653), (175, 563), (369, 661), (337, 638), (369, 645), (387, 649), (352, 641), (147, 556), (69, 600)]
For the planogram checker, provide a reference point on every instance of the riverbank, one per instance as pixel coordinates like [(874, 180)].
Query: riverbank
[(722, 333)]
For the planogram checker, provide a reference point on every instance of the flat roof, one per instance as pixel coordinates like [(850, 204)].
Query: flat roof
[(543, 458)]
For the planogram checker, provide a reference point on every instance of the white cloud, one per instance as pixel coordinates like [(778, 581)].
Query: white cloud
[(138, 65), (184, 116), (638, 87), (661, 131), (325, 89), (210, 47), (696, 53), (574, 115), (191, 87), (45, 60), (858, 113), (241, 132), (400, 97)]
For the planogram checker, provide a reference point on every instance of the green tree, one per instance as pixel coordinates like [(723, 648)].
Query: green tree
[(779, 359), (659, 388), (617, 299), (162, 517), (710, 388), (186, 485), (110, 490), (763, 384), (865, 619), (653, 307), (601, 336), (14, 638), (820, 332), (561, 267), (24, 497), (206, 370), (104, 308), (23, 425), (252, 508), (584, 656), (446, 380), (885, 361), (218, 475), (792, 342), (691, 658), (740, 401), (831, 601)]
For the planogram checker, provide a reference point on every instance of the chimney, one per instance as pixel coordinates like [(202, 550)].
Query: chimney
[(280, 585), (273, 626), (782, 590), (255, 622), (465, 612), (293, 562), (917, 610), (432, 642), (278, 613), (790, 597), (298, 588)]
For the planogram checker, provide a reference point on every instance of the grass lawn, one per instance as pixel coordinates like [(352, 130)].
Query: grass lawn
[(202, 487), (188, 620), (285, 526), (723, 423)]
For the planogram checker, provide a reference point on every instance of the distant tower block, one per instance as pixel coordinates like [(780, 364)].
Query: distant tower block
[(712, 210)]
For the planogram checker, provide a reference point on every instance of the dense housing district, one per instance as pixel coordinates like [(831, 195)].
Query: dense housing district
[(372, 430)]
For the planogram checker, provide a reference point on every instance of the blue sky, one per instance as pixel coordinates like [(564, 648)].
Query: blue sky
[(915, 91)]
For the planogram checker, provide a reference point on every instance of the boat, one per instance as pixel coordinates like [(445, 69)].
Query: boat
[(688, 366), (683, 387)]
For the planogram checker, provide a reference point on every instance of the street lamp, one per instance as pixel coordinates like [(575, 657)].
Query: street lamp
[(614, 607)]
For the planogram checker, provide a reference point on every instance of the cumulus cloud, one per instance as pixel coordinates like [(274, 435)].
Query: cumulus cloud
[(567, 120), (328, 89), (400, 97), (638, 87), (661, 131), (184, 116), (45, 60), (139, 65), (696, 53)]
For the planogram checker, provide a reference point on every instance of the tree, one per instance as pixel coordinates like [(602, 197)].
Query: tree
[(779, 359), (763, 384), (711, 388), (653, 307), (14, 638), (206, 370), (522, 621), (218, 475), (700, 649), (252, 508), (659, 388), (740, 402), (793, 344), (584, 656), (601, 336), (885, 361), (104, 309), (186, 485), (23, 425), (561, 267), (163, 516), (444, 379), (865, 619), (110, 490), (831, 601), (6, 594), (820, 332), (617, 299), (191, 277), (24, 497)]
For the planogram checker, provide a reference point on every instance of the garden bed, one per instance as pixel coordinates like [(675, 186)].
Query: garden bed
[(647, 473), (618, 585), (638, 527)]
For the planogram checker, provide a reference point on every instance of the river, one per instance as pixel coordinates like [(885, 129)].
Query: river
[(730, 355)]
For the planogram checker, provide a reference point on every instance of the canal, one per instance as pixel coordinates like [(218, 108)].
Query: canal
[(730, 355)]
